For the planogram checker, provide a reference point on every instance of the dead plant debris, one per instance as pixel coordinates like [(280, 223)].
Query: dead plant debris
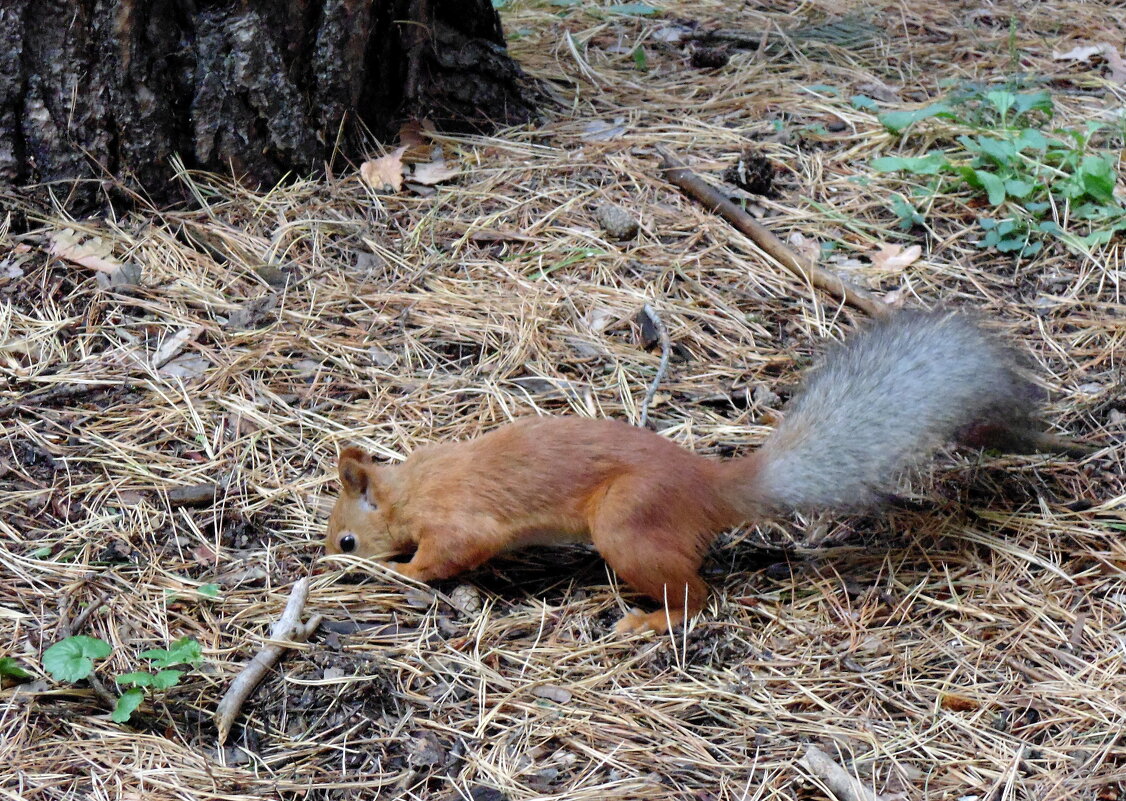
[(167, 444)]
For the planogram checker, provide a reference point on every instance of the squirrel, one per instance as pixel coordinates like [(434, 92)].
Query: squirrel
[(876, 404)]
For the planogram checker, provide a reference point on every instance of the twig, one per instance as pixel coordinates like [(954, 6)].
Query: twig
[(839, 781), (195, 495), (79, 621), (714, 200), (287, 631), (663, 335), (47, 395)]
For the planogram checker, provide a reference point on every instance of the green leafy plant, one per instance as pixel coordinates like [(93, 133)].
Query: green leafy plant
[(640, 59), (632, 9), (12, 669), (1026, 173), (72, 660)]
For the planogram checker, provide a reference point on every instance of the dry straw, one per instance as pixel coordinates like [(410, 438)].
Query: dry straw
[(971, 648)]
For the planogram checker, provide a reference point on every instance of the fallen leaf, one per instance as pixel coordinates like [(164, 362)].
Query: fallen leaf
[(1109, 52), (205, 555), (879, 91), (242, 426), (597, 319), (254, 313), (92, 252), (381, 357), (420, 189), (384, 174), (671, 34), (559, 695), (128, 275), (808, 248), (190, 365), (893, 258), (602, 131), (410, 134), (433, 172), (549, 387), (171, 346), (10, 269), (425, 751)]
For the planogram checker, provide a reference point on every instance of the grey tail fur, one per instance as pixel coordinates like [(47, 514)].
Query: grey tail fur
[(887, 398)]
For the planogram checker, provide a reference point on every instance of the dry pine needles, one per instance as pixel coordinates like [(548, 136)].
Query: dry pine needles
[(971, 648)]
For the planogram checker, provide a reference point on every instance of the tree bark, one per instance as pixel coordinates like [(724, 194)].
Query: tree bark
[(96, 92)]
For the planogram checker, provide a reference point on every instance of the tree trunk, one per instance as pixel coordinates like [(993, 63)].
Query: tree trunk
[(97, 89)]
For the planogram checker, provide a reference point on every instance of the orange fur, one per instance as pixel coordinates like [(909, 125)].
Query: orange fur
[(647, 505)]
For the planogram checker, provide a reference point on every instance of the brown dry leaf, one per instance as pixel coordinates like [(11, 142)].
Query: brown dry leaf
[(205, 555), (410, 134), (880, 91), (598, 319), (171, 346), (1109, 52), (433, 172), (807, 248), (130, 497), (91, 252), (894, 258), (384, 174)]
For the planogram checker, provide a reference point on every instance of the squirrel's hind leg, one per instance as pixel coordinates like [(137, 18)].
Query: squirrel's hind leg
[(661, 562)]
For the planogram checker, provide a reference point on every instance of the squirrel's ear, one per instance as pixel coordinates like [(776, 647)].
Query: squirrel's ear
[(355, 469)]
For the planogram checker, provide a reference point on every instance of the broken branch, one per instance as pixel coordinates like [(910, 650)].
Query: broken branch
[(286, 632), (714, 200)]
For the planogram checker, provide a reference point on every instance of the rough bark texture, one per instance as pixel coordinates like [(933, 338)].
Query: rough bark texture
[(93, 89)]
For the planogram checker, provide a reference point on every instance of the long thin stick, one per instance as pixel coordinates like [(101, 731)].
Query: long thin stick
[(714, 200), (662, 368), (288, 629)]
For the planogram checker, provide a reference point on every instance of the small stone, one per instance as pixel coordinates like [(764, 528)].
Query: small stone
[(616, 221)]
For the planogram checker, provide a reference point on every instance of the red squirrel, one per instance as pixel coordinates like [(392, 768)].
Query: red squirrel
[(880, 402)]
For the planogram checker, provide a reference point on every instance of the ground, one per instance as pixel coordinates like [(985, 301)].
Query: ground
[(968, 645)]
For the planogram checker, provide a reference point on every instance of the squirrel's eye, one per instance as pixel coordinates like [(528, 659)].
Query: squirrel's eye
[(348, 543)]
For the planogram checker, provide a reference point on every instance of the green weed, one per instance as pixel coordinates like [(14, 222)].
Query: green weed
[(72, 660), (1043, 184)]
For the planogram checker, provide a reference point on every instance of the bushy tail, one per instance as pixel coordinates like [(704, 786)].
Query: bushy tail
[(883, 400)]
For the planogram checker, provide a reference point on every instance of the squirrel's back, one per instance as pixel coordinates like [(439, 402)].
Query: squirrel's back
[(886, 398)]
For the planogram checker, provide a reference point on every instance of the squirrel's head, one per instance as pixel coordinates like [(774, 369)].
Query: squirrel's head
[(361, 522)]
